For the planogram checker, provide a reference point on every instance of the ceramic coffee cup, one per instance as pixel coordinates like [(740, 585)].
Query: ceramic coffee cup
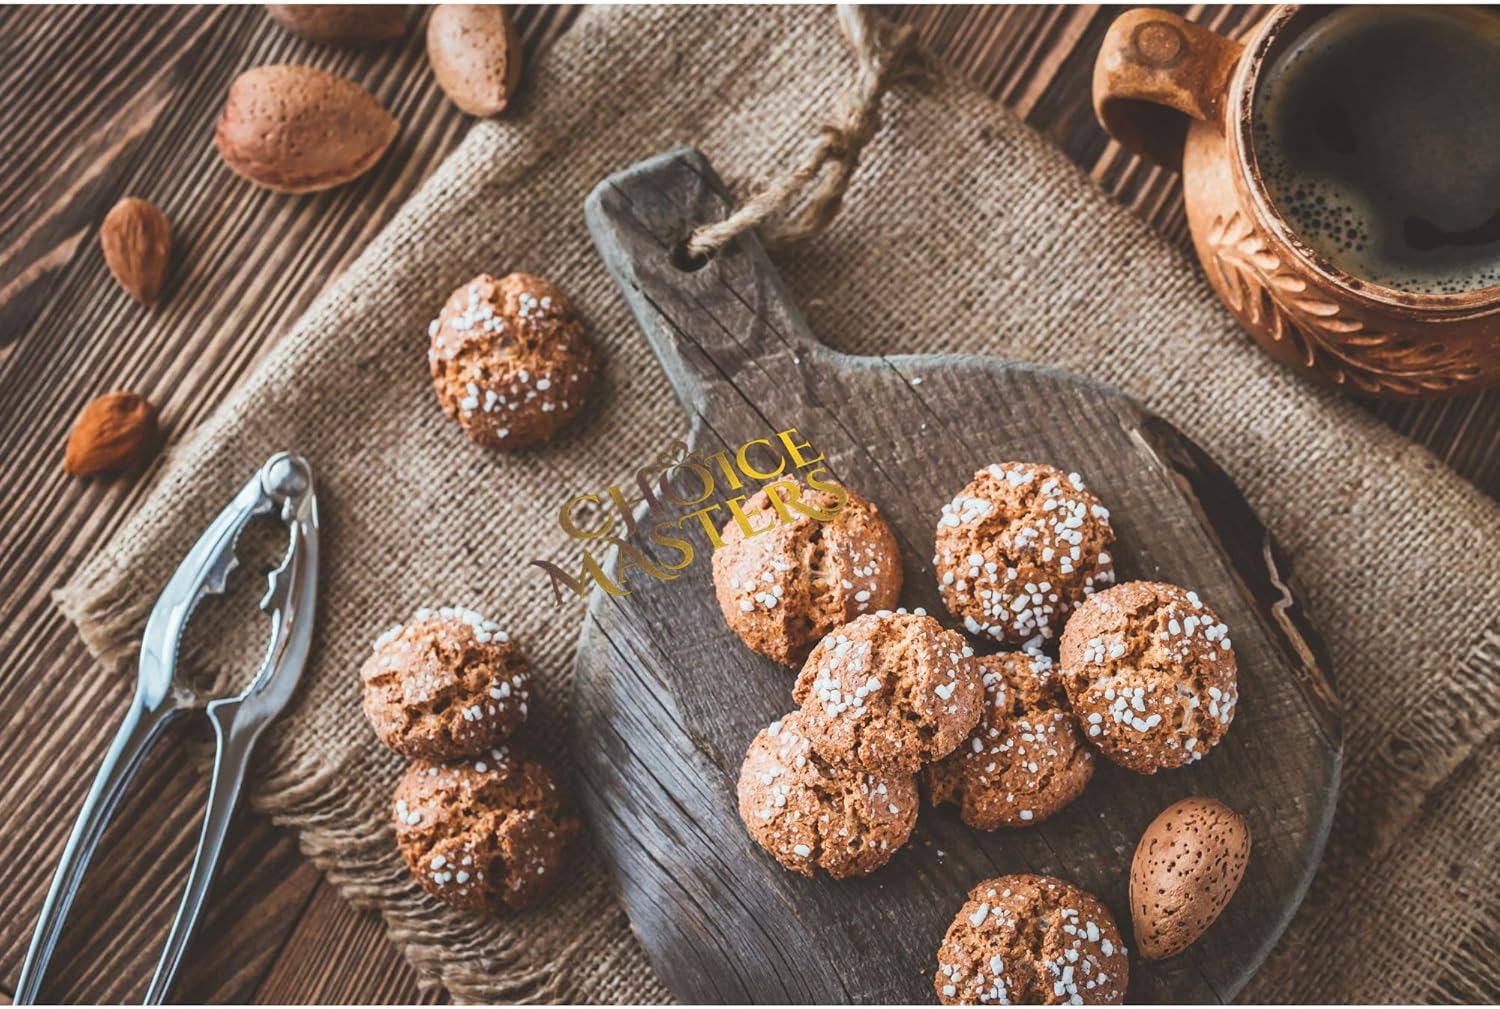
[(1184, 97)]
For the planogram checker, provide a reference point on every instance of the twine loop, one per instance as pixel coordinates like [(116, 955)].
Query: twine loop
[(886, 54)]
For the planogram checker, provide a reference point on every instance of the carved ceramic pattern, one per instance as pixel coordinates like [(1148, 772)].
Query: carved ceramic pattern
[(1268, 297)]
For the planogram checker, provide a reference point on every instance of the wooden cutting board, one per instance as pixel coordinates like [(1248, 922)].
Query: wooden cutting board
[(667, 699)]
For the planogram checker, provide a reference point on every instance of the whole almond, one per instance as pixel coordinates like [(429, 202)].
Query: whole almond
[(298, 129), (475, 55), (1188, 864), (137, 242), (115, 432), (342, 24)]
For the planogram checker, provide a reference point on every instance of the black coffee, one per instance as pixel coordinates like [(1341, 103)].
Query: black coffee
[(1378, 135)]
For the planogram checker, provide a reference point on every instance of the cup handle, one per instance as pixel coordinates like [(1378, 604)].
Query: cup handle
[(1154, 72)]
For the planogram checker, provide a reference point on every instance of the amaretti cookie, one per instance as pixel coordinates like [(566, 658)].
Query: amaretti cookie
[(447, 684), (510, 361), (1018, 548), (784, 588), (812, 814), (1150, 674), (483, 834), (1025, 760), (889, 692), (1032, 940)]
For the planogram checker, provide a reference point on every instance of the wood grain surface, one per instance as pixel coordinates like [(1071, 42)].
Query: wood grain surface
[(665, 701), (102, 102)]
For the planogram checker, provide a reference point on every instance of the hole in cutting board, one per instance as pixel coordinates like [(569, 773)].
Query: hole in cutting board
[(686, 260)]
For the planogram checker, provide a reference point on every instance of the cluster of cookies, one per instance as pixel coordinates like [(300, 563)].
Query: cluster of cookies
[(832, 786), (1145, 676), (478, 823), (1145, 670)]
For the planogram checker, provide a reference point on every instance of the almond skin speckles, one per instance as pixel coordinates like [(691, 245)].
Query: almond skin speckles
[(342, 24), (114, 433), (1186, 868), (475, 54), (137, 241), (298, 129)]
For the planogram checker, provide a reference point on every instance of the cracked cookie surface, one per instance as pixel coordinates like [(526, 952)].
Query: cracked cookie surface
[(1151, 675), (1031, 940), (891, 690), (510, 361), (783, 588), (482, 834), (1025, 760), (1018, 548), (447, 684), (811, 814)]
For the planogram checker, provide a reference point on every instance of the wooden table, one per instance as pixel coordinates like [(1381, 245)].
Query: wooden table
[(104, 102)]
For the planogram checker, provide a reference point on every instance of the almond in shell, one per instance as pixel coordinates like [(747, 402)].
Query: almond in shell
[(137, 241), (342, 24), (298, 129), (114, 433), (1188, 864), (475, 55)]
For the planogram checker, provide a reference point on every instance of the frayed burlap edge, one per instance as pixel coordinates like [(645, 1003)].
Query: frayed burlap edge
[(489, 961)]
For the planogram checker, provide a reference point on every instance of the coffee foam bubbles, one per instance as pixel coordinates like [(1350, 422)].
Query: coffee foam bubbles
[(1342, 225), (1377, 135)]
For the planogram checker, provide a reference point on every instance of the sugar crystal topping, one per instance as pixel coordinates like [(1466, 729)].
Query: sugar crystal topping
[(1030, 568)]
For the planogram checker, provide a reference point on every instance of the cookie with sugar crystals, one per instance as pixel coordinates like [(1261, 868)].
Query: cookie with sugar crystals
[(482, 834), (812, 814), (1151, 675), (1025, 760), (446, 684), (783, 588), (1032, 940), (510, 360), (889, 692), (1019, 548)]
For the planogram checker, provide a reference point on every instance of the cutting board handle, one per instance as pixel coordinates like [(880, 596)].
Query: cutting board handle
[(724, 327)]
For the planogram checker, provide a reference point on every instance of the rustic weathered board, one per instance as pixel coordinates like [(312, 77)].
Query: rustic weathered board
[(140, 125), (667, 700)]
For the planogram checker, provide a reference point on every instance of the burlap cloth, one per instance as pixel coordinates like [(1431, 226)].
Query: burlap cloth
[(963, 231)]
